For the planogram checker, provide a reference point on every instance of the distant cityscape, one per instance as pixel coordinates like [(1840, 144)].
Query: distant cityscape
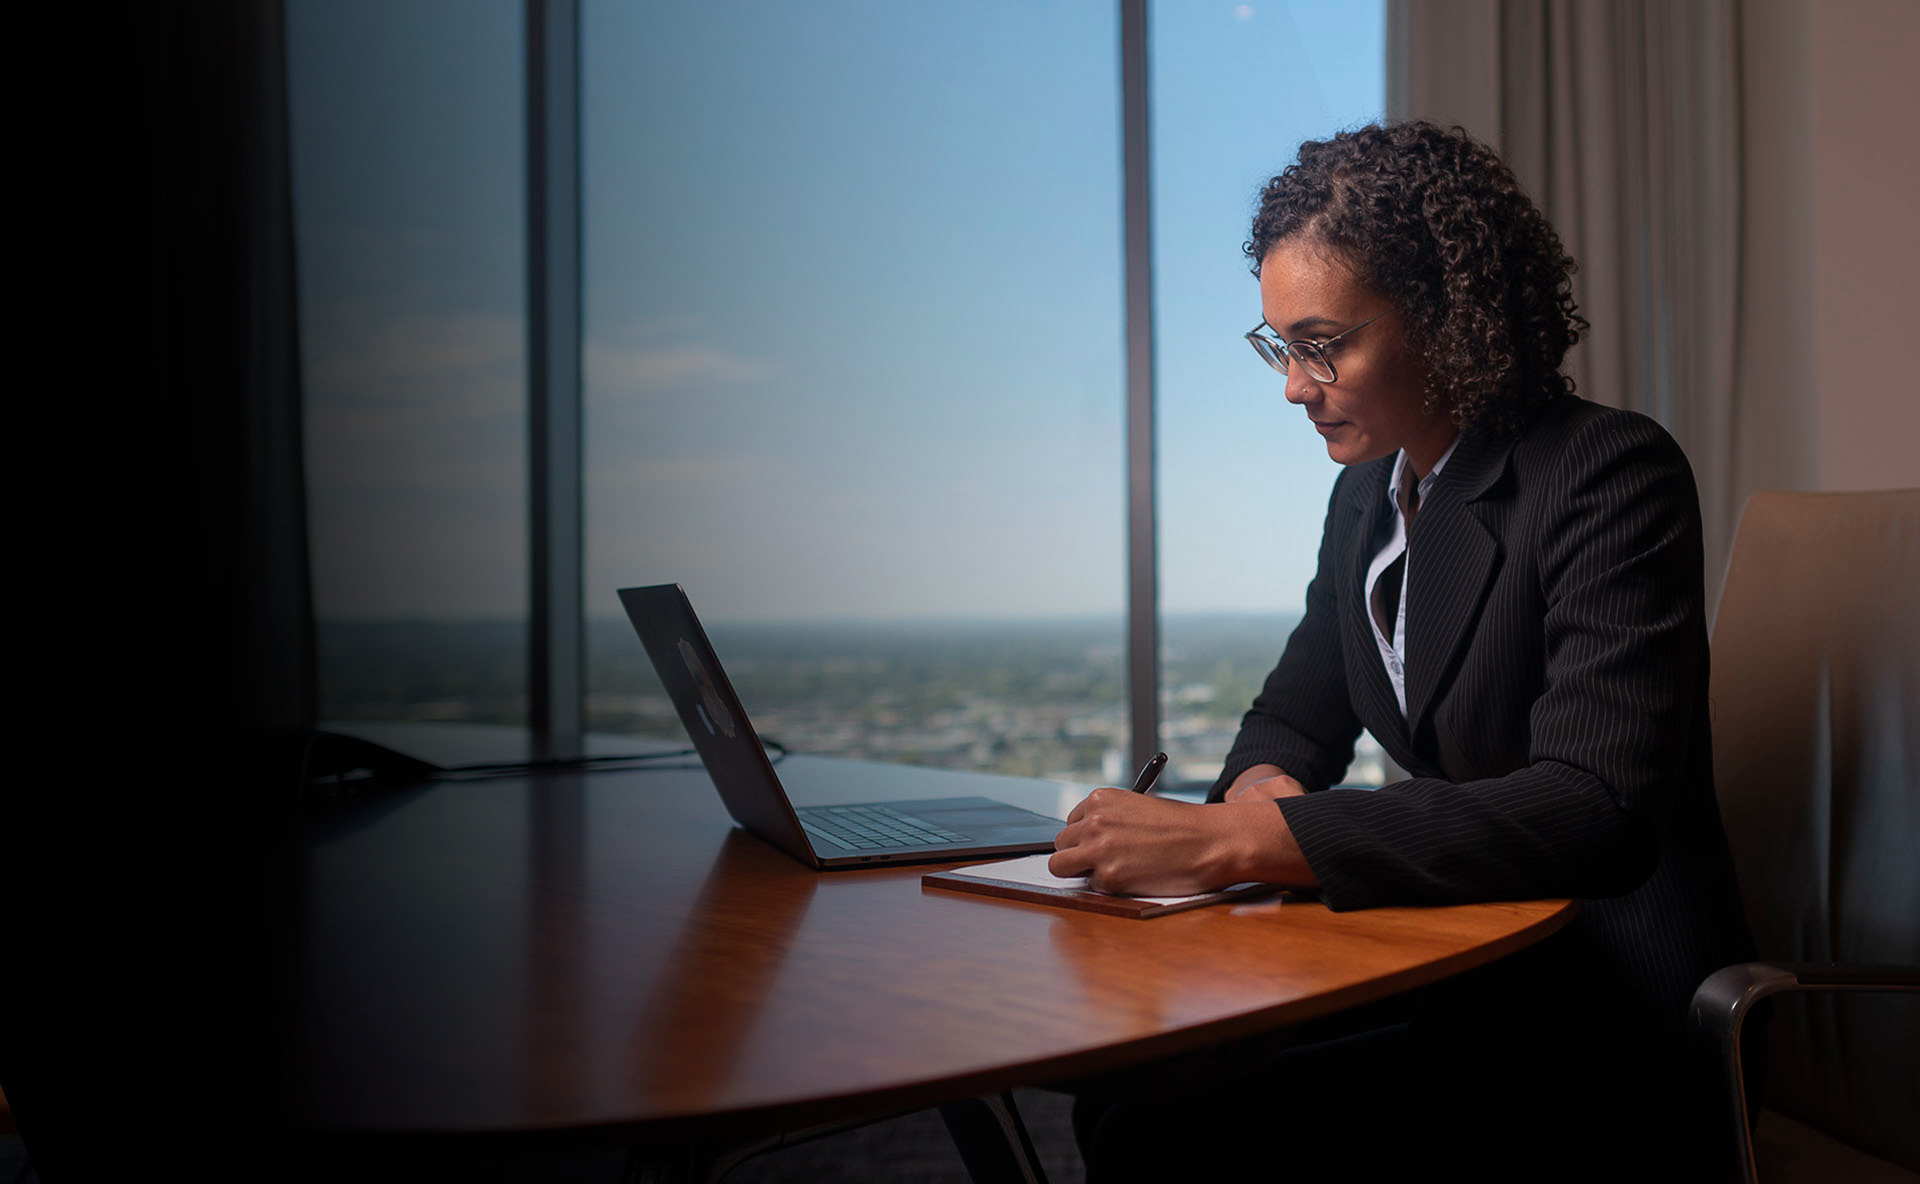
[(1033, 699)]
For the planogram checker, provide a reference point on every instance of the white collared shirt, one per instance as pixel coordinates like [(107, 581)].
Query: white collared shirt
[(1393, 650)]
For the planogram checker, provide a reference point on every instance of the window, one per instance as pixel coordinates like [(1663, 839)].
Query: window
[(1243, 483), (854, 361), (853, 371), (410, 216)]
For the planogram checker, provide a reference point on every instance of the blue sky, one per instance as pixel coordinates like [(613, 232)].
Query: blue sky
[(853, 303)]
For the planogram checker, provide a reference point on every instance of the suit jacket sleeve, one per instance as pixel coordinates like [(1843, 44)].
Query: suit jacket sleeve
[(1302, 720), (1612, 539)]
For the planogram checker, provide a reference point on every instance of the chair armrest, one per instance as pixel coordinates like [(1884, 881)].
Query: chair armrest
[(1819, 976), (1720, 1008)]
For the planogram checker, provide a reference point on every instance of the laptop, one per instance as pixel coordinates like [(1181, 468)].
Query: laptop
[(823, 837)]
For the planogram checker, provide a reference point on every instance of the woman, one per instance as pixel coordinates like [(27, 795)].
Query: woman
[(1509, 598)]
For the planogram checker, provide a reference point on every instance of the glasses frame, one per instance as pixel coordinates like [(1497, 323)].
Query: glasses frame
[(1312, 354)]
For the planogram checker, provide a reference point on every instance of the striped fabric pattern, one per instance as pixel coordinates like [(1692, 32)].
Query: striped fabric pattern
[(1557, 726)]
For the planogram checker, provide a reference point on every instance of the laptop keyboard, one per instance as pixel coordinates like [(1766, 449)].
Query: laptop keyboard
[(867, 828)]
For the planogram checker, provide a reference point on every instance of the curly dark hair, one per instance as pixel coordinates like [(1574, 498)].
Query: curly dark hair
[(1436, 222)]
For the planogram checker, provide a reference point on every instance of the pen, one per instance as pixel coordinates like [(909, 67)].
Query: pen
[(1150, 773)]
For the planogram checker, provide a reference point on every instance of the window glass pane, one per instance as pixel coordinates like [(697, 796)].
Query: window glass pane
[(854, 370), (1243, 480), (408, 194)]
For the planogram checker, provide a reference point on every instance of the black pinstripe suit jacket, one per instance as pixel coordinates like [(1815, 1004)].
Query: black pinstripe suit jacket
[(1557, 724)]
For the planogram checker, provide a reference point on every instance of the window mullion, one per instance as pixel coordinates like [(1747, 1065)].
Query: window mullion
[(1143, 610), (556, 634)]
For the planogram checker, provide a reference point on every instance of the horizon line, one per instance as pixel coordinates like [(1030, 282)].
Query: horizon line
[(1118, 619)]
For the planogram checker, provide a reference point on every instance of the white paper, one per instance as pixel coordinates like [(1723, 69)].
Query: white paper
[(1032, 869)]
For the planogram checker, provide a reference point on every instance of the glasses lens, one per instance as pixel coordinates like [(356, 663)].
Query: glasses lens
[(1270, 351), (1313, 359)]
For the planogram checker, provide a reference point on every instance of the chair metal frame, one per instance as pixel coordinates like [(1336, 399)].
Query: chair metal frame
[(1722, 1003)]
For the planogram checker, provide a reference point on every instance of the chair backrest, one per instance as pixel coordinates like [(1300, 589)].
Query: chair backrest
[(1816, 729)]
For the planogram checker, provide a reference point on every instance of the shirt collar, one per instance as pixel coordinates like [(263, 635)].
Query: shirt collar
[(1426, 482)]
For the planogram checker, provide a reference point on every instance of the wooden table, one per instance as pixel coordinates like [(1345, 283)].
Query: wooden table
[(603, 951)]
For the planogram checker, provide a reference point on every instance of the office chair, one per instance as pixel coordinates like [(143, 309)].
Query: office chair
[(1816, 730)]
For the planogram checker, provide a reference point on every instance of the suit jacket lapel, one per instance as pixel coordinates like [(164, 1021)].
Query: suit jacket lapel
[(1372, 692), (1454, 558)]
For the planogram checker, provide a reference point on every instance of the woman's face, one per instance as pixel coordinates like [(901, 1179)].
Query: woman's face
[(1373, 410)]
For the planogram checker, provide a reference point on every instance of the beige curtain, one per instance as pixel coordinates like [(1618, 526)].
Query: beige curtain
[(1624, 120)]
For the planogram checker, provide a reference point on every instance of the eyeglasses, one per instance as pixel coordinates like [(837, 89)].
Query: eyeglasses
[(1312, 354)]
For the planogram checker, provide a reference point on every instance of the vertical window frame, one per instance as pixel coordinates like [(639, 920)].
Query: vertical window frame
[(556, 628)]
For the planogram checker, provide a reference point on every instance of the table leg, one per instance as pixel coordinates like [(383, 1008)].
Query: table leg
[(709, 1162), (992, 1140)]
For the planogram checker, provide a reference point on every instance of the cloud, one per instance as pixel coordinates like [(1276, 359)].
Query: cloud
[(680, 474), (612, 369), (352, 349), (419, 401), (431, 400)]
